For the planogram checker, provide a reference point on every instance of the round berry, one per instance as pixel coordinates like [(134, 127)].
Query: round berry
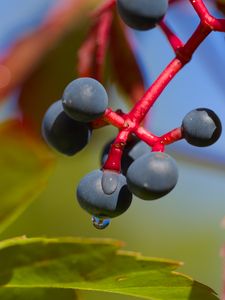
[(142, 14), (201, 127), (63, 133), (85, 99), (152, 175), (104, 194)]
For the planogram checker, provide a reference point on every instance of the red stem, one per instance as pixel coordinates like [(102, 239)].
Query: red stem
[(116, 152), (183, 56), (146, 136), (206, 17), (173, 39), (130, 123), (110, 117), (172, 136), (140, 110)]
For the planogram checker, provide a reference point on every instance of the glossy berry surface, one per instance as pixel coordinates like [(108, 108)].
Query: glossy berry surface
[(62, 133), (142, 14), (152, 175), (104, 194), (201, 127), (85, 99)]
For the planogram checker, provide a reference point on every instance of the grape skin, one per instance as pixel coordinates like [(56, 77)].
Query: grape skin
[(62, 133), (201, 127), (142, 14), (152, 176), (94, 200), (85, 99)]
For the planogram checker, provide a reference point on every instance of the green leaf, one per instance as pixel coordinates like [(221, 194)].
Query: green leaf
[(97, 265), (25, 166), (37, 294)]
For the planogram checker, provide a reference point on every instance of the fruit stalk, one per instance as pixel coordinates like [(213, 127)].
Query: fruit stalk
[(128, 166), (183, 53), (173, 39), (183, 56)]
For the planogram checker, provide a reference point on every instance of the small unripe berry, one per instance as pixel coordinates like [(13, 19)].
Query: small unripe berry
[(104, 194)]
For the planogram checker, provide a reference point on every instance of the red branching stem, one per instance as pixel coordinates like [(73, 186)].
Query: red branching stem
[(218, 25), (114, 118), (172, 136), (130, 123), (200, 9), (116, 151), (173, 39), (103, 35), (138, 113), (152, 140), (200, 34), (158, 147), (183, 56), (203, 13), (146, 136)]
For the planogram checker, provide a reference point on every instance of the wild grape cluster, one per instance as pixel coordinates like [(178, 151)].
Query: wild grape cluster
[(67, 127)]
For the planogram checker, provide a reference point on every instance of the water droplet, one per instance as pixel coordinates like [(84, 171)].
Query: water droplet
[(109, 182), (100, 223)]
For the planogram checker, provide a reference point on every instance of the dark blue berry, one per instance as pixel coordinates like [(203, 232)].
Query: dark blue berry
[(201, 127), (63, 133), (142, 14), (104, 194), (152, 175), (85, 99)]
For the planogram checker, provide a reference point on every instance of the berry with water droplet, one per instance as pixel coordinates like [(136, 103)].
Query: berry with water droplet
[(104, 201)]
